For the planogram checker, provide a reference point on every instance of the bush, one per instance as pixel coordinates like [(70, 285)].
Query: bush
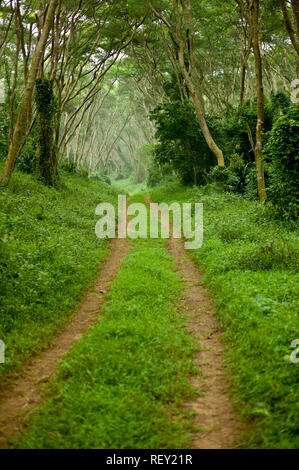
[(158, 174), (181, 142), (68, 166), (27, 162), (119, 177), (283, 156), (102, 177), (233, 178)]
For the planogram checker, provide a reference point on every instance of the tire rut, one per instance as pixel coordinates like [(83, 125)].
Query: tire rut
[(18, 400), (215, 415)]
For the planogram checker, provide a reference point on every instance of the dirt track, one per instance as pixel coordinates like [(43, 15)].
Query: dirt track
[(214, 413), (18, 400)]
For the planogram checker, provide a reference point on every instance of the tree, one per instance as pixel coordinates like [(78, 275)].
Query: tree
[(182, 35), (250, 11), (47, 154), (21, 121), (292, 24)]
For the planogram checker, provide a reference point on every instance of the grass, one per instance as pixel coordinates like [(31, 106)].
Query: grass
[(121, 386), (48, 255), (128, 186), (123, 383), (250, 263)]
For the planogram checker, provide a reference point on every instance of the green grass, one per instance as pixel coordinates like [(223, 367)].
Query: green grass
[(121, 386), (128, 186), (250, 263), (48, 255)]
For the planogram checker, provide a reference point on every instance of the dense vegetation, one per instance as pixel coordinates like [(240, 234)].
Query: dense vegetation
[(191, 101), (181, 147)]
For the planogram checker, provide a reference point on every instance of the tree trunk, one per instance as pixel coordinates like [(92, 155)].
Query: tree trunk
[(244, 56), (196, 92), (291, 25), (191, 72), (254, 10), (27, 95), (47, 155)]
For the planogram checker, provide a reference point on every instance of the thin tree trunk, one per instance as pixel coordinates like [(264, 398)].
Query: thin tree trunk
[(291, 25), (13, 93), (254, 10), (196, 92)]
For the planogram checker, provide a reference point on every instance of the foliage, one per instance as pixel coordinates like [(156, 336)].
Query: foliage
[(282, 152), (47, 154), (233, 177), (100, 177), (182, 146), (69, 166), (235, 133), (3, 130), (27, 160), (119, 177), (181, 142), (159, 174)]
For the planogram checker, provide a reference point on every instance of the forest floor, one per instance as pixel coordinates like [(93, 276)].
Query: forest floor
[(198, 414), (155, 355)]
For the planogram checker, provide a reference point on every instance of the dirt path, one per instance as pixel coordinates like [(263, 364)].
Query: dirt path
[(215, 414), (18, 400)]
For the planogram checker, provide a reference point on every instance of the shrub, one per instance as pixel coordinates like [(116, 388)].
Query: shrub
[(181, 141), (283, 157), (119, 177), (27, 162), (102, 177), (157, 174), (68, 166), (233, 177)]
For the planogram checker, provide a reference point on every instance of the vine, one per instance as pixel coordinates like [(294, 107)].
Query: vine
[(46, 151)]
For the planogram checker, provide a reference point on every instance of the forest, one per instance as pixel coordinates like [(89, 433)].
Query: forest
[(134, 342)]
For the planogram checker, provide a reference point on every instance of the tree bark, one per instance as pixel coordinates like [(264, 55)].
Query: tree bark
[(27, 95), (254, 12), (292, 27)]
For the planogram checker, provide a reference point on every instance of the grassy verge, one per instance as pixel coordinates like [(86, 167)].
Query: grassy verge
[(122, 384), (48, 255), (250, 265)]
